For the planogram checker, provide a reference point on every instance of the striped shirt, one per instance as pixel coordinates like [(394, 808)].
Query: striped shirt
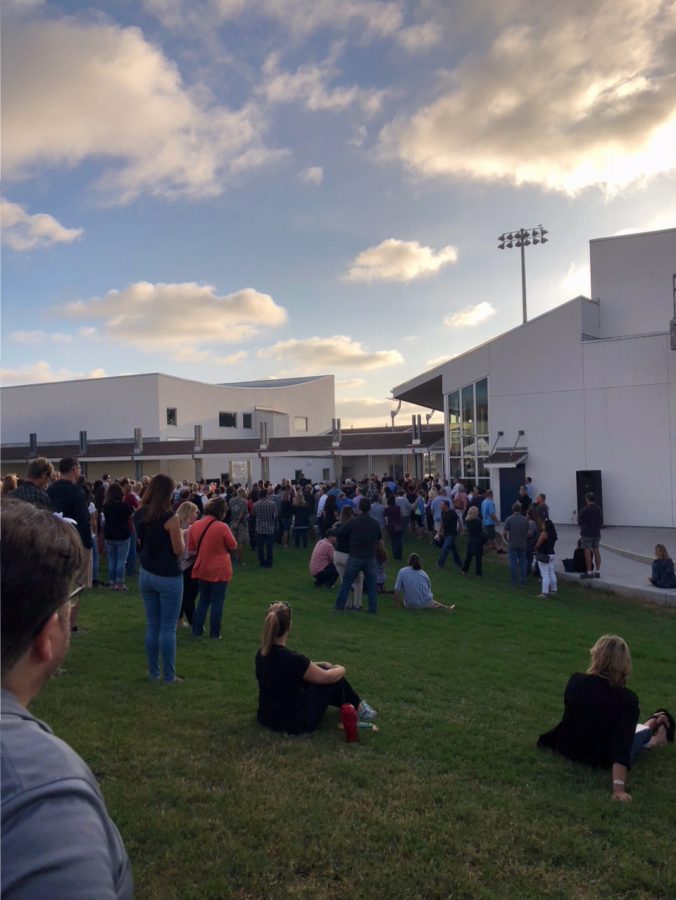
[(265, 512), (415, 586)]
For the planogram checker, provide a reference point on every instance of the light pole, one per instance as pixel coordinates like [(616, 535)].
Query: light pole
[(522, 238)]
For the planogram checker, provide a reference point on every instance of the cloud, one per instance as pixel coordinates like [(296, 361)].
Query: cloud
[(419, 37), (363, 412), (564, 97), (471, 316), (39, 337), (42, 372), (232, 358), (439, 360), (75, 92), (309, 85), (184, 318), (23, 231), (350, 383), (313, 175), (395, 260), (359, 136), (337, 352), (576, 281)]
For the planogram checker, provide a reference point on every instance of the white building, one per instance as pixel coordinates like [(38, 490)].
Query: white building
[(588, 387)]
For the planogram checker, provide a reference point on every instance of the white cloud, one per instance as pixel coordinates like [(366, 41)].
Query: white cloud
[(564, 97), (313, 175), (419, 37), (576, 281), (232, 358), (325, 354), (76, 92), (350, 383), (437, 361), (364, 412), (39, 337), (471, 316), (23, 231), (310, 86), (359, 136), (395, 260), (41, 372), (184, 318)]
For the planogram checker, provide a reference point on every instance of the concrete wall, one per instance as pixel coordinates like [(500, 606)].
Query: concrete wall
[(631, 276)]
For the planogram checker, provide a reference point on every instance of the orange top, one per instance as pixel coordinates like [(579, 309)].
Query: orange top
[(213, 560)]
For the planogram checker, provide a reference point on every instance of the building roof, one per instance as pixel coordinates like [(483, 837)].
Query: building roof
[(272, 382)]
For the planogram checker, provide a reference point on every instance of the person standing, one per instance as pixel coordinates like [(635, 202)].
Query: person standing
[(516, 534), (544, 550), (449, 524), (58, 839), (490, 521), (393, 524), (239, 521), (475, 541), (364, 534), (265, 513), (117, 535), (590, 521), (34, 487), (160, 578), (212, 542)]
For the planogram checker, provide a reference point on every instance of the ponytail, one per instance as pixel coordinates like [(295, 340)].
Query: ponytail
[(414, 562), (276, 624)]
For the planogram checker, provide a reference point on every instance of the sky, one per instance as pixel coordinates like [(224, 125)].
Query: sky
[(231, 190)]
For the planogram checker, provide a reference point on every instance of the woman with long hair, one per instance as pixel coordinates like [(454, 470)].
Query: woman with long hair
[(340, 555), (293, 691), (662, 574), (160, 578), (544, 554), (475, 541), (187, 514), (600, 715), (212, 542), (301, 519), (394, 527), (117, 534)]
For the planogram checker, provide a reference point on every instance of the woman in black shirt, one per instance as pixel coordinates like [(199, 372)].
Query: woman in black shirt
[(116, 533), (293, 691), (600, 715)]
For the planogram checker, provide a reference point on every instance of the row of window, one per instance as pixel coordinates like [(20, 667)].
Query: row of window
[(468, 433), (229, 420)]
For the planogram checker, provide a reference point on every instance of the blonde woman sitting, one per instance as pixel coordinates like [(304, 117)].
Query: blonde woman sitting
[(599, 724)]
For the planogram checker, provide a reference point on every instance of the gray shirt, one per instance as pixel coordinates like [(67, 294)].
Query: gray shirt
[(57, 837), (516, 531)]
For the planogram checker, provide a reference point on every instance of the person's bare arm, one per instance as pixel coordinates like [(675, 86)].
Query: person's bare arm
[(316, 675), (172, 527)]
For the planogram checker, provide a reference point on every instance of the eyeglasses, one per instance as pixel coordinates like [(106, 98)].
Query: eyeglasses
[(72, 597), (70, 600)]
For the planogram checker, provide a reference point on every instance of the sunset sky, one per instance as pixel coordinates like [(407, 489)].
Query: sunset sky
[(239, 189)]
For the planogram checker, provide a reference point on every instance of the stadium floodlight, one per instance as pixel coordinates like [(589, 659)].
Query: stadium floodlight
[(522, 238)]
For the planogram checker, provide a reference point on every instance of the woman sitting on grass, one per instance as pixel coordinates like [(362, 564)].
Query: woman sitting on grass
[(663, 575), (414, 588), (293, 692), (600, 715)]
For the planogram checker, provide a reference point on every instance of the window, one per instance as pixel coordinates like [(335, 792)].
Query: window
[(468, 432), (172, 416), (227, 420), (247, 420), (300, 423)]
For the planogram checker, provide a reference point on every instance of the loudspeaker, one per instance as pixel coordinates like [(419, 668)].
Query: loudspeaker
[(589, 482)]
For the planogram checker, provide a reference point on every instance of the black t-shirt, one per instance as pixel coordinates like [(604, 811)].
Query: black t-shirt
[(301, 516), (281, 689), (449, 520), (598, 722), (590, 520), (157, 555), (364, 533), (116, 526), (474, 531)]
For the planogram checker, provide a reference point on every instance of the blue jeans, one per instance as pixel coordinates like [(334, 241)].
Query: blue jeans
[(212, 593), (162, 599), (117, 557), (95, 559), (449, 547), (264, 545), (131, 557), (397, 541), (353, 567), (641, 738), (300, 535), (518, 565)]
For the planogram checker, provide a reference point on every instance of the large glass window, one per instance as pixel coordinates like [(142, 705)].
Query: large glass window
[(227, 420), (468, 433)]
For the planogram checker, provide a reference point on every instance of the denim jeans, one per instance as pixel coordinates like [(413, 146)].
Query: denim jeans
[(354, 566), (95, 559), (264, 545), (212, 593), (300, 536), (518, 565), (449, 547), (397, 541), (117, 557), (548, 573), (162, 599), (641, 738), (131, 557)]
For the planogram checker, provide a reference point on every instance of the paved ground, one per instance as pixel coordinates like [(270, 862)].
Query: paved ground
[(626, 556)]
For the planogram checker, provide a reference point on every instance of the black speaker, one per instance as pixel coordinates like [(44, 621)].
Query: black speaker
[(589, 482)]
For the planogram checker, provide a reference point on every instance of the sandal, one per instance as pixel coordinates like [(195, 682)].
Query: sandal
[(667, 720)]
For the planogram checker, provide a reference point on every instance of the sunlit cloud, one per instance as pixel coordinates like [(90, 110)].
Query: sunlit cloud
[(471, 316), (576, 282), (185, 318), (42, 372), (324, 354), (39, 337), (564, 98), (416, 38), (74, 92), (314, 175), (437, 361), (25, 231), (395, 260)]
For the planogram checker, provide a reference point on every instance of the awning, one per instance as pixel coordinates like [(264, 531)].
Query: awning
[(506, 459)]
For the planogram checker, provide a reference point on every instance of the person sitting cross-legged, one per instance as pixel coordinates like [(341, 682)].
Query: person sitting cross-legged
[(414, 588)]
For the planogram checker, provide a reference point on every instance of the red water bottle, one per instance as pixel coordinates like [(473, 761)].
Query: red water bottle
[(348, 715)]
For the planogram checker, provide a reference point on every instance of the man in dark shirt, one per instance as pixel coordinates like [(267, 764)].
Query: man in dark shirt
[(590, 520), (449, 522), (265, 514), (34, 488), (516, 532), (364, 533)]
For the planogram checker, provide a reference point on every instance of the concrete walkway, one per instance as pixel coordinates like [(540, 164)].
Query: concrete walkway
[(626, 558)]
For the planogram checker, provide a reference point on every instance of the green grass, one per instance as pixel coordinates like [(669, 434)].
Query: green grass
[(449, 799)]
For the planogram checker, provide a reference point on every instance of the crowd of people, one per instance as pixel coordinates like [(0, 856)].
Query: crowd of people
[(186, 540)]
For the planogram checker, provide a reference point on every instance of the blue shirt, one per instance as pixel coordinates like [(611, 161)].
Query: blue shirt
[(415, 586), (58, 840), (487, 512)]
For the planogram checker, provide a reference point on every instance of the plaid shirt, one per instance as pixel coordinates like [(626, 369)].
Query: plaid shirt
[(265, 513), (31, 493)]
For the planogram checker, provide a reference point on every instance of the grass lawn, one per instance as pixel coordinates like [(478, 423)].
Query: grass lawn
[(449, 799)]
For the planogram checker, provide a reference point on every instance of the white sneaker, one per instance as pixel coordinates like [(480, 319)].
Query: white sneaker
[(365, 712)]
